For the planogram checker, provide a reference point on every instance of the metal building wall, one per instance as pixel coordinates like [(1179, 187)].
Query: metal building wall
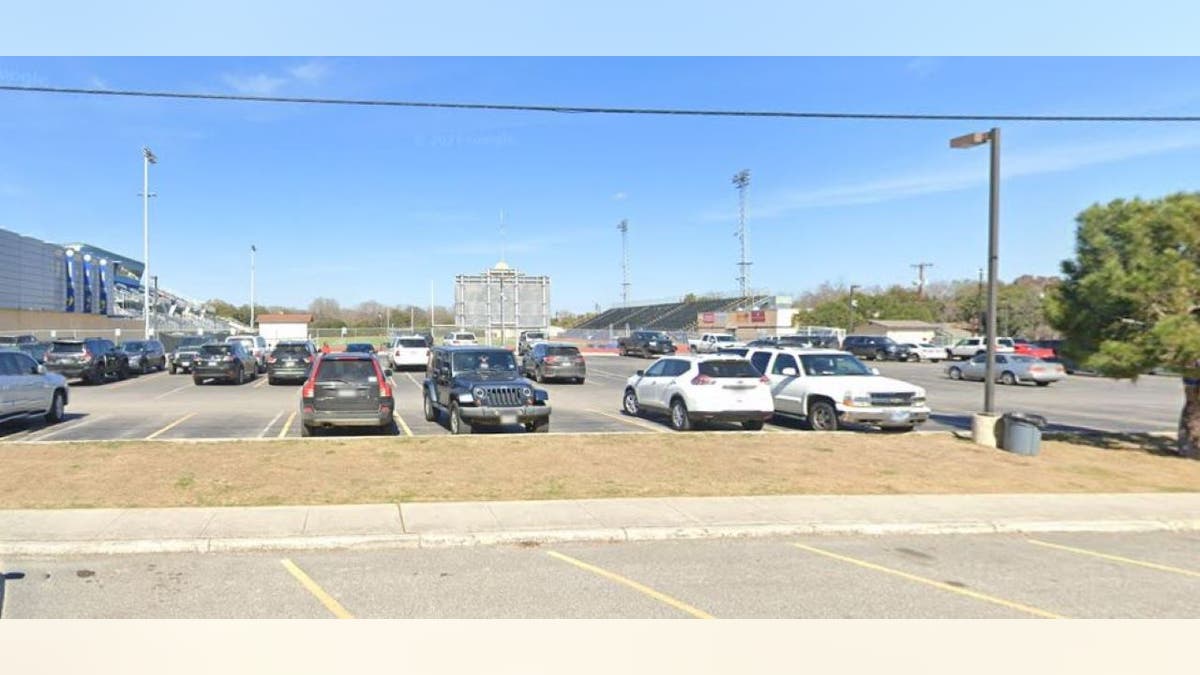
[(31, 273)]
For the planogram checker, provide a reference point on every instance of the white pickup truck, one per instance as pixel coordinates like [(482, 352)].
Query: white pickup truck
[(711, 343), (969, 347), (828, 388)]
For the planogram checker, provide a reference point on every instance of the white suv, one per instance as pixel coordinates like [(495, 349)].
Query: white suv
[(700, 389), (969, 347), (459, 338), (409, 351), (827, 388)]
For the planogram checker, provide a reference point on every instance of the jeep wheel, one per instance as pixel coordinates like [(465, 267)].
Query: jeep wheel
[(822, 416), (535, 428), (55, 414), (679, 415), (456, 422), (431, 413), (629, 404)]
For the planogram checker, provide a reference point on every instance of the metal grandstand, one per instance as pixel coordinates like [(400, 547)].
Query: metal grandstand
[(673, 317)]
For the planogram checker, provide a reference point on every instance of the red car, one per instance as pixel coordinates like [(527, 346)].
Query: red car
[(1022, 346)]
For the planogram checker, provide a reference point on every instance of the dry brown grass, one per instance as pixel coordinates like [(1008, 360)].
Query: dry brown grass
[(372, 470)]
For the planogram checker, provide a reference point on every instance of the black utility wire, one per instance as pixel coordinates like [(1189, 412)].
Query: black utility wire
[(604, 110)]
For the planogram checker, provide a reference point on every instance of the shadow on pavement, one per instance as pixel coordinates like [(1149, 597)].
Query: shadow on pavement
[(1155, 444)]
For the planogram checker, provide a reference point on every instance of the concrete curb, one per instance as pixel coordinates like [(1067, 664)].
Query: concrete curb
[(598, 535)]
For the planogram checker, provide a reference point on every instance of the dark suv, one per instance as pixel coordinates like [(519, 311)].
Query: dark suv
[(91, 360), (875, 347), (290, 361), (482, 387), (145, 355), (347, 389), (186, 352)]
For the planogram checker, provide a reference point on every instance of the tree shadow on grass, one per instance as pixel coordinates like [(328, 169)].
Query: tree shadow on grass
[(1154, 444)]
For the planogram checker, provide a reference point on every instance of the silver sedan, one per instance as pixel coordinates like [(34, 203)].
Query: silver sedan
[(1010, 369)]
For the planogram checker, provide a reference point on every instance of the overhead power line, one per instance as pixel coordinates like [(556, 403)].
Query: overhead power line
[(692, 112)]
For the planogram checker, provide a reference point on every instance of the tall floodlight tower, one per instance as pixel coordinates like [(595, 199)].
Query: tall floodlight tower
[(148, 158), (920, 268), (623, 226), (741, 180)]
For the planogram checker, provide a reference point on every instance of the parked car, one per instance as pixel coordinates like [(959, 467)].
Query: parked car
[(646, 343), (347, 389), (145, 355), (459, 338), (692, 389), (968, 347), (185, 353), (256, 346), (92, 360), (828, 388), (739, 352), (360, 347), (482, 387), (924, 351), (877, 347), (552, 360), (409, 351), (290, 360), (1023, 346), (229, 361), (770, 341), (528, 338), (1057, 347), (17, 340), (35, 349), (1010, 369), (808, 341), (27, 390), (711, 343)]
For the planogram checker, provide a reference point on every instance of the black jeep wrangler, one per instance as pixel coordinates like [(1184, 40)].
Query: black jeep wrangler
[(482, 387)]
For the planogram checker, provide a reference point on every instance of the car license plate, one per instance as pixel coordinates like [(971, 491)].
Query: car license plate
[(508, 419), (212, 363), (899, 415), (347, 393)]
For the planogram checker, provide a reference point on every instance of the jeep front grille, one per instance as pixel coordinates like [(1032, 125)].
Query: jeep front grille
[(890, 399), (502, 396)]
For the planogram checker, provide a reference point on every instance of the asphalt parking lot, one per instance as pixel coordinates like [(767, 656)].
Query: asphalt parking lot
[(164, 406), (1075, 575)]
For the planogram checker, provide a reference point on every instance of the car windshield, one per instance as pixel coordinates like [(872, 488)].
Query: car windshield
[(491, 361), (190, 343), (657, 336), (216, 350), (285, 350), (724, 338), (728, 368), (359, 347), (535, 336), (821, 365), (562, 351), (133, 346), (412, 343), (347, 370), (1022, 358), (246, 342)]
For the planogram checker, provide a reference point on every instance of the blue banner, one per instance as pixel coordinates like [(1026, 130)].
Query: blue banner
[(103, 289), (87, 288), (70, 283)]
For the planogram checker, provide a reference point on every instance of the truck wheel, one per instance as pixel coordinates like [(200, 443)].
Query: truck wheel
[(822, 416), (679, 415), (55, 414), (752, 425), (431, 413), (197, 380), (456, 422)]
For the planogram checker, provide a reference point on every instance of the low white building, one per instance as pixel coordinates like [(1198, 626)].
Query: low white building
[(901, 331), (279, 327)]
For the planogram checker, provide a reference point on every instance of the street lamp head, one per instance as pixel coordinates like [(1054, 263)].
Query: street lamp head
[(970, 140), (149, 155)]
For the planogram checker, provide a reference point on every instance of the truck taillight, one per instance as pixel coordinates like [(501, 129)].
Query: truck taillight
[(309, 389), (703, 379)]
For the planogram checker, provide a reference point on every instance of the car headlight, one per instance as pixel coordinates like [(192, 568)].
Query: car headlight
[(851, 398), (478, 391), (918, 400), (526, 392)]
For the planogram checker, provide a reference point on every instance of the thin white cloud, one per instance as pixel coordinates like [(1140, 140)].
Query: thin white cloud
[(620, 197), (258, 84), (1014, 165), (97, 82), (312, 71)]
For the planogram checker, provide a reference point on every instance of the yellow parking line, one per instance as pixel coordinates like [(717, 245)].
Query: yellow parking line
[(633, 421), (170, 426), (1117, 558), (400, 421), (261, 382), (133, 379), (936, 584), (287, 425), (319, 593), (611, 576)]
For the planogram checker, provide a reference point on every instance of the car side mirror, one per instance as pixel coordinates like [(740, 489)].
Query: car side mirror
[(387, 372), (641, 373), (789, 371), (40, 370), (874, 371)]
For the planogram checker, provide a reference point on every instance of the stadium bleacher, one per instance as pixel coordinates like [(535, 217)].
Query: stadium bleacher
[(671, 316)]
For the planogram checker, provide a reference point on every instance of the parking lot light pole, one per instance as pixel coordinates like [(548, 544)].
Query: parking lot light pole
[(148, 158), (253, 250), (969, 141), (853, 288)]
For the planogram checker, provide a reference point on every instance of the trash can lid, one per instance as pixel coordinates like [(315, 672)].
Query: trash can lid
[(1028, 418)]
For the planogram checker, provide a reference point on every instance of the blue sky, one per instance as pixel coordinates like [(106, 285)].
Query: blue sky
[(377, 203)]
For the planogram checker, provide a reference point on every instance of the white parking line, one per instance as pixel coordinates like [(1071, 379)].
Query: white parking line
[(268, 427), (168, 393), (134, 380), (170, 426), (67, 427), (632, 421), (605, 373), (413, 380)]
